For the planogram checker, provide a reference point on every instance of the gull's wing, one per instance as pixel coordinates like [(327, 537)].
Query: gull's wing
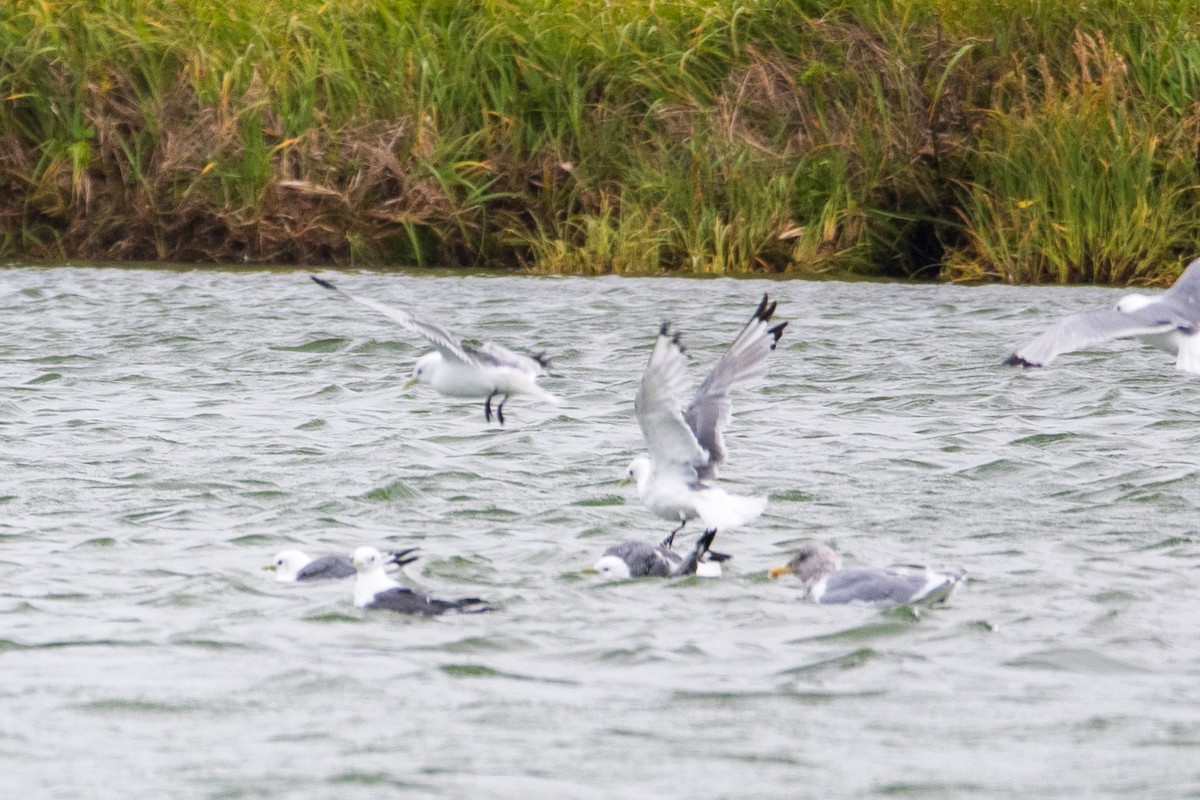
[(325, 568), (711, 408), (440, 338), (1186, 289), (644, 559), (1094, 327), (669, 439), (407, 601), (500, 356), (875, 586)]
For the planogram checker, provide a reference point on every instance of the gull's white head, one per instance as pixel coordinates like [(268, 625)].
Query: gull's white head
[(367, 560), (638, 470), (371, 578), (286, 565), (1132, 302), (611, 568), (424, 368)]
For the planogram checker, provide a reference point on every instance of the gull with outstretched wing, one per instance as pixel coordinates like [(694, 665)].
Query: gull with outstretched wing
[(1169, 321), (488, 371), (686, 445)]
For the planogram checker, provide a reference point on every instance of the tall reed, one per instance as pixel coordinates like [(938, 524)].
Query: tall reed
[(1024, 140)]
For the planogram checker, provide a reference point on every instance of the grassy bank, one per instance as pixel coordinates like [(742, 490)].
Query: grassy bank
[(1026, 141)]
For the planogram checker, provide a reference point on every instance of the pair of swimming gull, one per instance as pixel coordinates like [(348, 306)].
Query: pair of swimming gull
[(373, 587), (818, 567)]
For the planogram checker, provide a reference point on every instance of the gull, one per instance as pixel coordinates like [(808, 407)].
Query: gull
[(458, 370), (1169, 321), (294, 566), (686, 445), (642, 560), (374, 589), (826, 582)]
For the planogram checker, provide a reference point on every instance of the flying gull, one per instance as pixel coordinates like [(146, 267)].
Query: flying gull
[(686, 445), (374, 589), (293, 566), (826, 582), (1169, 321), (458, 370), (644, 560)]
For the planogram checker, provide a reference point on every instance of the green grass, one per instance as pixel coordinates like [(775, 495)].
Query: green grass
[(1023, 140)]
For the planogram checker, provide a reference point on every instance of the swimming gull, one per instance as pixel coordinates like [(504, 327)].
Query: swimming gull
[(292, 566), (826, 582), (458, 370), (374, 589), (642, 560), (1169, 321), (686, 445)]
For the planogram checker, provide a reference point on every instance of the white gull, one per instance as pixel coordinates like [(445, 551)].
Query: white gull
[(457, 370), (374, 589), (686, 446), (636, 559), (1169, 321), (820, 569)]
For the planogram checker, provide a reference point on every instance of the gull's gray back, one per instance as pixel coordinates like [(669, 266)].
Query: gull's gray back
[(645, 560), (873, 586), (500, 356), (408, 601), (326, 568)]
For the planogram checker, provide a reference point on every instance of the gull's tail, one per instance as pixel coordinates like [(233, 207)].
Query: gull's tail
[(723, 511), (940, 587), (530, 387)]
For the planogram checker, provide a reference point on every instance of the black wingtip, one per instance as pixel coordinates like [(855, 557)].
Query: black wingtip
[(665, 330), (542, 359), (403, 557), (766, 309), (777, 332), (1016, 361), (762, 311), (473, 605), (325, 283)]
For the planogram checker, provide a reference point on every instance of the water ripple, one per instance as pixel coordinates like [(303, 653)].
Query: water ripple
[(165, 432)]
